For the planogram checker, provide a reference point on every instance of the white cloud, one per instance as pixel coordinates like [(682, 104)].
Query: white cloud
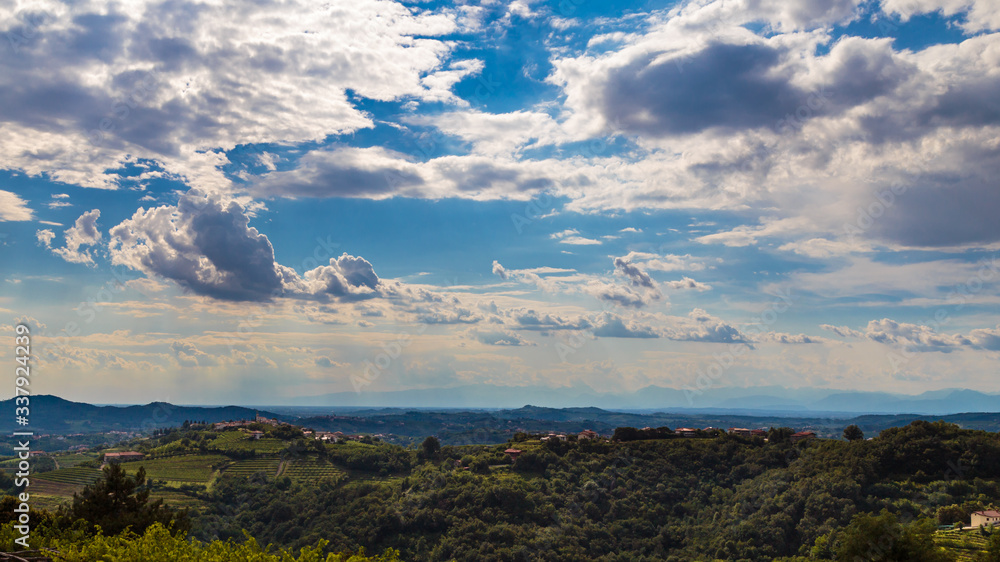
[(687, 283), (572, 237), (980, 15), (920, 337), (167, 81), (13, 208), (83, 233)]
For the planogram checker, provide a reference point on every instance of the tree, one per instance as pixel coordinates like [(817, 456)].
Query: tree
[(992, 553), (118, 501), (430, 447), (881, 538), (779, 435), (853, 433)]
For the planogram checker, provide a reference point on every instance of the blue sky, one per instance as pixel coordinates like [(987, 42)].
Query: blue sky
[(223, 203)]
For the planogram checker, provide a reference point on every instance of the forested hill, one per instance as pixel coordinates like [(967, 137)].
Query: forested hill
[(712, 498), (51, 414)]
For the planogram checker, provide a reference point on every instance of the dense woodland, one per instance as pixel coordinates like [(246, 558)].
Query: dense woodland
[(637, 498)]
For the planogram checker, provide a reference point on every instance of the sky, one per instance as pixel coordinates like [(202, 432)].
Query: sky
[(232, 202)]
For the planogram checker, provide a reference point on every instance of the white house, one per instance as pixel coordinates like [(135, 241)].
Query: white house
[(987, 518)]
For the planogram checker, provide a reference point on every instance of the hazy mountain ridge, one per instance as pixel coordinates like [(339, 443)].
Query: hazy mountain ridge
[(52, 414), (936, 402)]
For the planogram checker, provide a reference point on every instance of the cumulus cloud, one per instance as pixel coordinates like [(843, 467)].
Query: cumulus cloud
[(327, 363), (499, 270), (345, 278), (45, 237), (613, 326), (84, 232), (636, 276), (177, 79), (620, 295), (920, 337), (500, 337), (205, 244), (530, 319), (980, 15), (700, 326), (687, 283)]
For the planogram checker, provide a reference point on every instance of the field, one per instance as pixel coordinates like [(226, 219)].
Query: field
[(310, 470), (69, 460), (78, 476), (238, 441), (253, 466), (965, 545), (182, 469), (56, 487)]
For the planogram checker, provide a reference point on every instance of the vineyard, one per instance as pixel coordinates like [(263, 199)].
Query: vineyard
[(311, 470), (193, 469), (71, 460), (79, 476), (63, 482), (253, 466), (965, 545)]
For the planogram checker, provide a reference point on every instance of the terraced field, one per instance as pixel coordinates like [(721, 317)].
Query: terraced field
[(183, 469), (71, 460), (965, 545), (239, 441), (310, 470), (79, 476), (253, 466), (63, 482)]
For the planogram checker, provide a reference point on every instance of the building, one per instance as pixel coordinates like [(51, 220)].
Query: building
[(686, 431), (124, 456), (513, 453), (256, 434), (740, 431), (758, 433), (796, 437), (270, 421), (988, 518), (587, 434)]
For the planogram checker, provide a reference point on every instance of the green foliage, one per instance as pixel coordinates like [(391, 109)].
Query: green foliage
[(430, 447), (853, 433), (379, 458), (118, 502), (726, 498), (992, 553), (158, 544), (883, 538)]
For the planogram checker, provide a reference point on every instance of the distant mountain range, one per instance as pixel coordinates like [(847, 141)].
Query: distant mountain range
[(51, 414), (730, 399), (54, 415)]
